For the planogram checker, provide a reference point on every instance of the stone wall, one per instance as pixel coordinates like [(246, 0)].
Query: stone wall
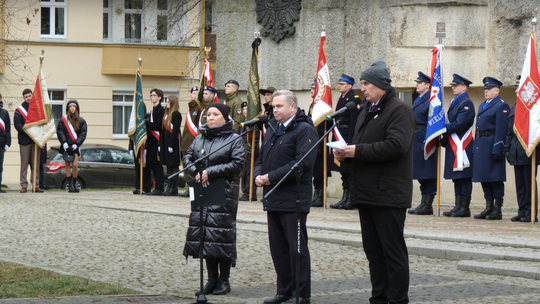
[(483, 37)]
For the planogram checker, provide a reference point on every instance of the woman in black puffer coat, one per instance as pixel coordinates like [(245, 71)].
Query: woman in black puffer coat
[(219, 220)]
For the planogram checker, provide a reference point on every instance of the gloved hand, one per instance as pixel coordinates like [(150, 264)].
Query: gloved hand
[(131, 152), (159, 149), (74, 147), (497, 157), (170, 149), (6, 147), (65, 146)]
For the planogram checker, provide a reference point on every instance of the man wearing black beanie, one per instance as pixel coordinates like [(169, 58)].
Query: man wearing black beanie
[(380, 159)]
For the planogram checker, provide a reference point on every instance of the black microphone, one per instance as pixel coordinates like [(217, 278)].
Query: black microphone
[(261, 120), (348, 107)]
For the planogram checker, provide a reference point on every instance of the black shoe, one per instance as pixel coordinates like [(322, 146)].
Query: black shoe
[(244, 198), (292, 300), (223, 287), (518, 218), (527, 219), (208, 288), (136, 191), (277, 299), (2, 190), (155, 192), (184, 194)]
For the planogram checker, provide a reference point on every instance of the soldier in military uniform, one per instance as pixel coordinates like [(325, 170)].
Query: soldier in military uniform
[(209, 94), (318, 166), (346, 128), (191, 127), (458, 164), (491, 130), (425, 171), (235, 103)]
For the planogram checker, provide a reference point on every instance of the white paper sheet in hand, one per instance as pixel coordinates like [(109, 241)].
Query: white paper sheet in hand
[(337, 145)]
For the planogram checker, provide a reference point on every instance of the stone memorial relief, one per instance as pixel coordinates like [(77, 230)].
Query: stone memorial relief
[(278, 17)]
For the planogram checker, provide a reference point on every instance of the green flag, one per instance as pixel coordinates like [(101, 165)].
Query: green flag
[(137, 123), (253, 96)]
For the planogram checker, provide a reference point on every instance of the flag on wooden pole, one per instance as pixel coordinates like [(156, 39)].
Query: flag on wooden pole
[(137, 123), (206, 80), (39, 124), (322, 102), (436, 125)]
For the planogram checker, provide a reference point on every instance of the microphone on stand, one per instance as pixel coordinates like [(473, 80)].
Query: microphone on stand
[(261, 120), (350, 106)]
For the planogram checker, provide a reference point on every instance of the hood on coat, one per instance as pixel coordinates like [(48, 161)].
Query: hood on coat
[(70, 102)]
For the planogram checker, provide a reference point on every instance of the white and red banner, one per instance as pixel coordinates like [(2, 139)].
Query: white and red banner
[(39, 124), (527, 112), (322, 102), (209, 79)]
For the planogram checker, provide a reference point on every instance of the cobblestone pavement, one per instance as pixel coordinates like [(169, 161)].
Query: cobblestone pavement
[(137, 242)]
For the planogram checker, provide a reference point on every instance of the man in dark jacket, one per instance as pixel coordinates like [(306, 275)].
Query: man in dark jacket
[(289, 137), (380, 159), (424, 170), (346, 128), (5, 137), (26, 144), (153, 126)]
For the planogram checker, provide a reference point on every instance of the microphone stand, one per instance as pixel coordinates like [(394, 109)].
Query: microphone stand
[(201, 166), (297, 170)]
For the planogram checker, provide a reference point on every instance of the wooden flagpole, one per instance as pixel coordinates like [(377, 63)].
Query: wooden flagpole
[(325, 167), (252, 163), (36, 147), (439, 179), (141, 153)]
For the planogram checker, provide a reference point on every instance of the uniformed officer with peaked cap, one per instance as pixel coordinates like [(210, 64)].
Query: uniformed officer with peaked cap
[(458, 164), (425, 171), (491, 131)]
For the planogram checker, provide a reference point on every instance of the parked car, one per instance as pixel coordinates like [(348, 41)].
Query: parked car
[(100, 166)]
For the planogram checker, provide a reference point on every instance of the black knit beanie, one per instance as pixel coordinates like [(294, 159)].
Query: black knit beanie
[(378, 74), (223, 108)]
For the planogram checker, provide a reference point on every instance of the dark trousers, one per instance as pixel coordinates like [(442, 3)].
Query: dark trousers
[(463, 186), (246, 178), (147, 181), (157, 172), (523, 177), (493, 190), (2, 152), (318, 182), (345, 180), (428, 186), (386, 251), (282, 235)]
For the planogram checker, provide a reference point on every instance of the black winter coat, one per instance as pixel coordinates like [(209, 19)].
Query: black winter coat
[(279, 153), (19, 121), (5, 132), (171, 138), (381, 171), (63, 135), (515, 154), (219, 221)]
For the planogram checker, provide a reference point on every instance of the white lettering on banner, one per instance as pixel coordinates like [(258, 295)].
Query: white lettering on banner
[(436, 119)]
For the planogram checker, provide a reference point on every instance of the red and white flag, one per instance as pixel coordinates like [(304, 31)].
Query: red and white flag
[(527, 112), (39, 123), (322, 102)]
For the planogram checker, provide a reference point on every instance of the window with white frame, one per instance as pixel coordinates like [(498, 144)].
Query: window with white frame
[(53, 18), (406, 97), (122, 104), (162, 22)]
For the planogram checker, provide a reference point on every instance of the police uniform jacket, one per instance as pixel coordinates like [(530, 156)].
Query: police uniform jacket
[(422, 169), (515, 154), (235, 104), (187, 138), (279, 152), (491, 131), (381, 171), (460, 119), (152, 143), (171, 138), (346, 125), (5, 132)]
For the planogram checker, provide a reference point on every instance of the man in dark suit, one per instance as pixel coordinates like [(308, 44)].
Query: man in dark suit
[(153, 127), (491, 131), (281, 149), (425, 171), (380, 158), (346, 128), (459, 146)]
